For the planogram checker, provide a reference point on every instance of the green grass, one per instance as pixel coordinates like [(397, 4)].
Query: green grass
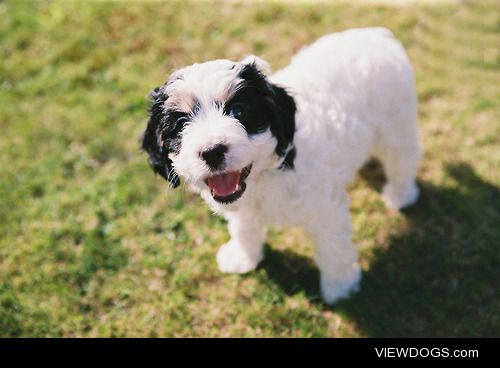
[(92, 244)]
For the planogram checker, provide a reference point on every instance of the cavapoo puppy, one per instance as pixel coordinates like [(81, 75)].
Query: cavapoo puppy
[(280, 149)]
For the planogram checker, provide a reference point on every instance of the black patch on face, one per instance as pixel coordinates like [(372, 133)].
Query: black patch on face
[(170, 129), (162, 136), (264, 106)]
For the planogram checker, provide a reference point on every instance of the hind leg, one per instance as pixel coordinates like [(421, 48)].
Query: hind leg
[(400, 154)]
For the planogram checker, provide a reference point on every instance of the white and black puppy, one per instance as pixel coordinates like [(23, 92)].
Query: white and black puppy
[(281, 149)]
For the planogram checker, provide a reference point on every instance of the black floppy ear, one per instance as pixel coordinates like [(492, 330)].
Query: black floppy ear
[(151, 141), (283, 126), (281, 103)]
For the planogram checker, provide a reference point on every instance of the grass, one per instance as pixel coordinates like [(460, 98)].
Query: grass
[(91, 244)]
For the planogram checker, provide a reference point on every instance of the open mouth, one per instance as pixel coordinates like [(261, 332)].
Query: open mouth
[(227, 187)]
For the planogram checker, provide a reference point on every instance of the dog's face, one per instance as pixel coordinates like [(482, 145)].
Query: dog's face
[(219, 125)]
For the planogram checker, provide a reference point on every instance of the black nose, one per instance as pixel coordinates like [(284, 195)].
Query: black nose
[(214, 156)]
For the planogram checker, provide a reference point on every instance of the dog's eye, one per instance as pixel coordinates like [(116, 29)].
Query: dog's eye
[(238, 111), (175, 123), (181, 121)]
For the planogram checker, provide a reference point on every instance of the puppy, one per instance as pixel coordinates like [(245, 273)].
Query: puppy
[(281, 148)]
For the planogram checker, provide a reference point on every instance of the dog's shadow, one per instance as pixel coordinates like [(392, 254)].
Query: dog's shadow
[(440, 277)]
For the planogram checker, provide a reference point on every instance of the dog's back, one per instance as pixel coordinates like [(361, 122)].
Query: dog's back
[(355, 93)]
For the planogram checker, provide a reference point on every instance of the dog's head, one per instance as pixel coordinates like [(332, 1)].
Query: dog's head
[(219, 125)]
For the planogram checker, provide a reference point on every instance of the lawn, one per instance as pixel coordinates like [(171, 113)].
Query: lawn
[(92, 244)]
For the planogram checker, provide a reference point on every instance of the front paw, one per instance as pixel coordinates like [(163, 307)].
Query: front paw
[(335, 289), (232, 258), (398, 197)]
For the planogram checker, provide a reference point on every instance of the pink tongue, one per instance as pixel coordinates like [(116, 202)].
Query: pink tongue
[(224, 184)]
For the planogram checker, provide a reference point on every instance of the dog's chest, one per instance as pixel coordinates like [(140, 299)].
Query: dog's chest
[(282, 199)]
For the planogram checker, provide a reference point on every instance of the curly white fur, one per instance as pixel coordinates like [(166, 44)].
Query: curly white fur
[(355, 97)]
